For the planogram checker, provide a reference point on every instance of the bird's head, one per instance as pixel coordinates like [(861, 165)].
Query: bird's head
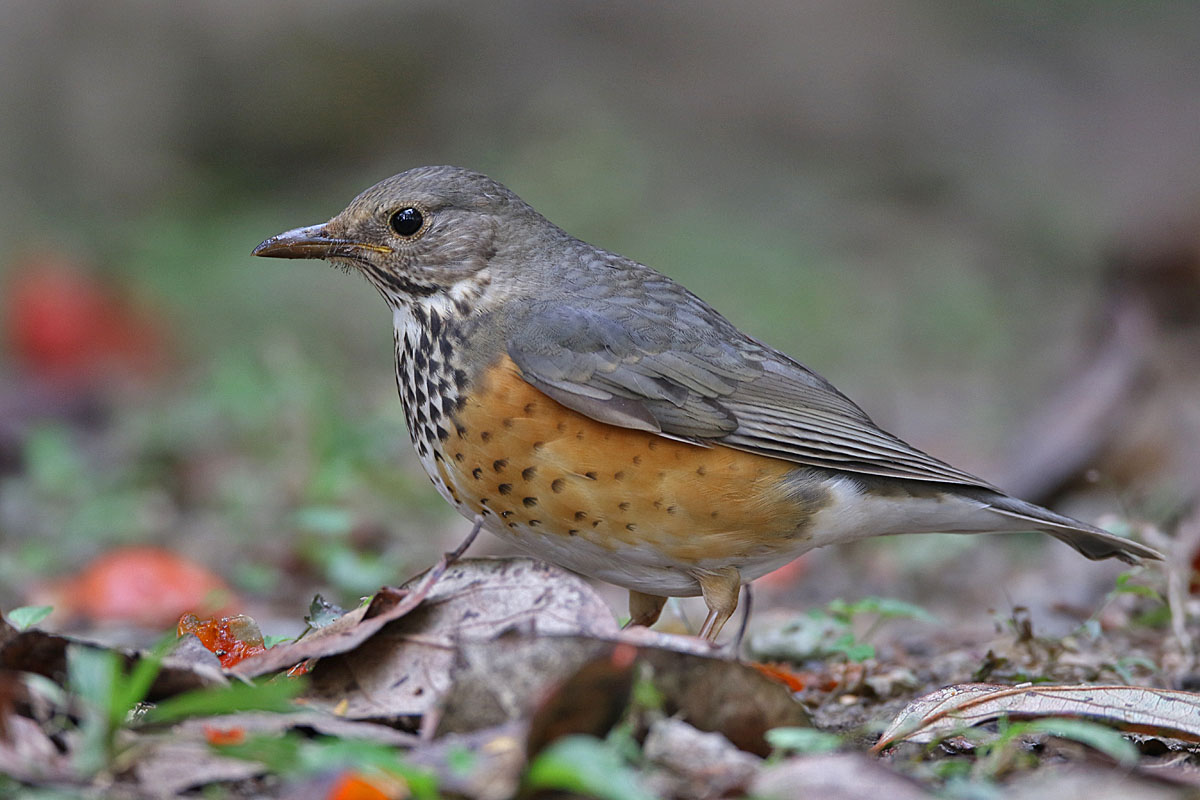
[(423, 232)]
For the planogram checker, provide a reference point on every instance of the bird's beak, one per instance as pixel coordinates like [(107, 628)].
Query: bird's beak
[(312, 242)]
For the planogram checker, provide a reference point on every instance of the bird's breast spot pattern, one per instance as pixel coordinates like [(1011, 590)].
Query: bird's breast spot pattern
[(544, 475)]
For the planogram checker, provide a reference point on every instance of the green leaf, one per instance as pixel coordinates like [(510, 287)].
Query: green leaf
[(854, 650), (1099, 737), (585, 765), (883, 607), (803, 740), (1125, 587), (275, 695), (26, 617), (325, 520), (91, 676)]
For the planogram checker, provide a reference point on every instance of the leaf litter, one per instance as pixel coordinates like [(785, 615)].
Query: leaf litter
[(483, 678)]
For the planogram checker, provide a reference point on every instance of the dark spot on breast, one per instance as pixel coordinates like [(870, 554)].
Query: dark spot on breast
[(631, 527), (530, 408), (560, 427), (533, 523), (499, 464), (579, 436), (701, 470), (506, 514), (529, 502), (458, 457), (528, 473), (538, 446), (485, 436), (557, 485), (652, 444), (483, 501), (595, 523), (572, 532), (580, 516), (461, 431), (591, 476), (637, 460), (658, 505), (623, 506), (505, 488), (512, 524), (672, 509), (714, 514), (477, 473), (507, 422), (619, 475)]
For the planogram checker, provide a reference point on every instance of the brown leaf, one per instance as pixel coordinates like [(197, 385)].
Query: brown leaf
[(46, 654), (588, 702), (404, 666), (507, 678), (1136, 709), (179, 758), (691, 763)]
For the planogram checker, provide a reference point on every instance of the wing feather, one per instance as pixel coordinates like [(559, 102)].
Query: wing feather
[(710, 385)]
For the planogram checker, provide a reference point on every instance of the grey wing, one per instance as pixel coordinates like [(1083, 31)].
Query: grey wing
[(705, 382)]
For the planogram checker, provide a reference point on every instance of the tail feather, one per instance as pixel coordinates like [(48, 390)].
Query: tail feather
[(1089, 540)]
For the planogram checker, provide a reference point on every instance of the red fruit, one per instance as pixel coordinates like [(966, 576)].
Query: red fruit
[(351, 785), (231, 639), (66, 325), (141, 585)]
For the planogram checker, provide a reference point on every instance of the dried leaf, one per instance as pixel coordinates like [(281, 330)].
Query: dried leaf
[(507, 678), (1134, 709), (404, 667)]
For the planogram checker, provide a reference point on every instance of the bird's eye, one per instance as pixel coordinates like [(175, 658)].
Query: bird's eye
[(407, 222)]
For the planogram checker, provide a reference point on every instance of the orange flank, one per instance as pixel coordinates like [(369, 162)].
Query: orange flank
[(540, 465)]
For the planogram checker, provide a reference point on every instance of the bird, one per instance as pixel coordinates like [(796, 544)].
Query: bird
[(594, 412)]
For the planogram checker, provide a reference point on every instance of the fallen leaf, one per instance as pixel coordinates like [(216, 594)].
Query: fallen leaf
[(691, 763), (405, 665), (1134, 709), (507, 678), (590, 701)]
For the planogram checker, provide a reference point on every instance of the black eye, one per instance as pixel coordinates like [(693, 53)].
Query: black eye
[(406, 222)]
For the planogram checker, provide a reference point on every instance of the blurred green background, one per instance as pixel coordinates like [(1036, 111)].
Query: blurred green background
[(916, 200)]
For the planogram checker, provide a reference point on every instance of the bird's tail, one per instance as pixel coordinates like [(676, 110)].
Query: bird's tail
[(1089, 540)]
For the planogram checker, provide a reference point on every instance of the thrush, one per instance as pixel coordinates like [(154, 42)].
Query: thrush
[(599, 415)]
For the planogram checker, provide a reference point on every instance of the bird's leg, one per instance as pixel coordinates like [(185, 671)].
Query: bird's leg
[(644, 608), (720, 589), (457, 553)]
